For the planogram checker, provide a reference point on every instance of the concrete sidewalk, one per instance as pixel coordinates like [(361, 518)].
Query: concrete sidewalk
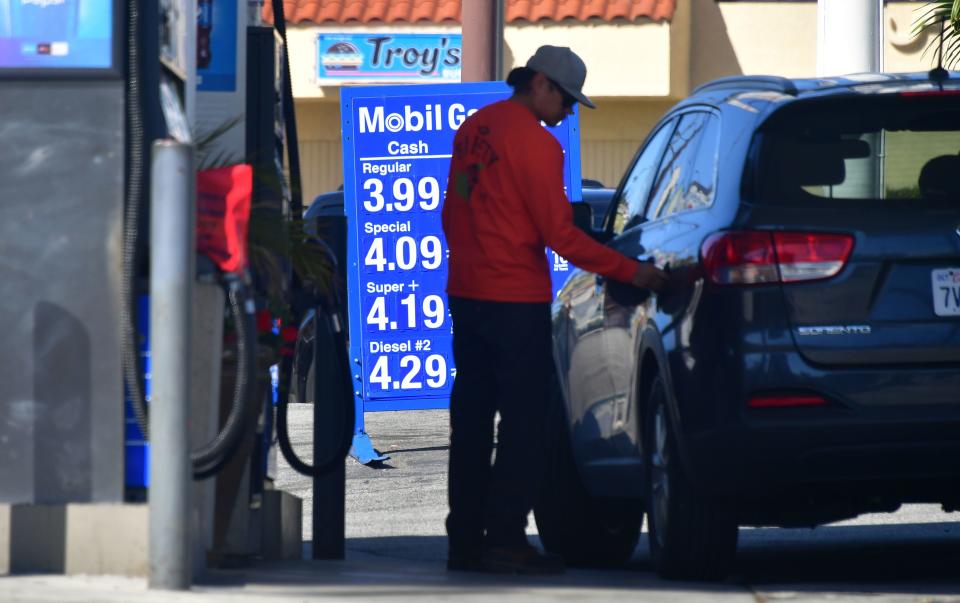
[(396, 550), (367, 577)]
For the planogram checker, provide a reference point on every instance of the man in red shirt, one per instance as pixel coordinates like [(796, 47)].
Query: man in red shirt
[(505, 203)]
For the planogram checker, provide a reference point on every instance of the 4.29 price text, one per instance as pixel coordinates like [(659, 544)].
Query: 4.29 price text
[(434, 367)]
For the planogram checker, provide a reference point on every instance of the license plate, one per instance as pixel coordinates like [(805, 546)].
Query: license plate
[(946, 291)]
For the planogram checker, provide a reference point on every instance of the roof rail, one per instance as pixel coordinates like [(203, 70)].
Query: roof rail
[(751, 82)]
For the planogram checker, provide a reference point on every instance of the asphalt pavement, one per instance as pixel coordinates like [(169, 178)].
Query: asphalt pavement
[(395, 550)]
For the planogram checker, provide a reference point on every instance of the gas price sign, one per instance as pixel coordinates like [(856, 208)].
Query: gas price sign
[(397, 146)]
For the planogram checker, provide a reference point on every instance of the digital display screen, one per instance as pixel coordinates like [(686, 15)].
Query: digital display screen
[(56, 34)]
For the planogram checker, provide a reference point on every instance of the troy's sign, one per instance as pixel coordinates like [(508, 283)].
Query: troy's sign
[(380, 57)]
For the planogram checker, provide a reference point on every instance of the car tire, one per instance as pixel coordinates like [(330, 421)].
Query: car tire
[(692, 536), (584, 530)]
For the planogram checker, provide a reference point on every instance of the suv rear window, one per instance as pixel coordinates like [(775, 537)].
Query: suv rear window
[(865, 148)]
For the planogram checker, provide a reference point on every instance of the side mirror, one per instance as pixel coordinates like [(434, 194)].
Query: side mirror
[(583, 219), (636, 220), (583, 216)]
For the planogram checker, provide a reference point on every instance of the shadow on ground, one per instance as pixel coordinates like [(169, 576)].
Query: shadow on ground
[(918, 559), (895, 558)]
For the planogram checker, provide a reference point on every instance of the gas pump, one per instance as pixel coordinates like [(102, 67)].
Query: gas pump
[(157, 93), (86, 88), (333, 409)]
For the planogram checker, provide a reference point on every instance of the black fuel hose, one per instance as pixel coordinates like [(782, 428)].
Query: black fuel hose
[(289, 116), (330, 338), (211, 457), (329, 345), (132, 375)]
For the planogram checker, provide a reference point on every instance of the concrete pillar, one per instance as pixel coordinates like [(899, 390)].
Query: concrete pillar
[(849, 36), (172, 272), (849, 40), (482, 40)]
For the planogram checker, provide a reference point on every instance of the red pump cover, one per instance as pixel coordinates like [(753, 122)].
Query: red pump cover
[(223, 215)]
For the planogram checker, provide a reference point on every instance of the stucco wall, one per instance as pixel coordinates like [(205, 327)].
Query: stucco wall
[(780, 38), (303, 53), (609, 138), (623, 59), (612, 133), (737, 38), (318, 130), (903, 51), (635, 70)]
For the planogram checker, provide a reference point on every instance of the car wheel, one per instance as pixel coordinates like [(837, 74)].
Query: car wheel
[(692, 536), (584, 530)]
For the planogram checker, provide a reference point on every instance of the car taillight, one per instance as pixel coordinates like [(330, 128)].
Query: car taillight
[(915, 93), (759, 257), (785, 401), (740, 258), (811, 256)]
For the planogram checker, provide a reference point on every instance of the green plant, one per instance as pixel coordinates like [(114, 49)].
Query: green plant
[(278, 243), (944, 17)]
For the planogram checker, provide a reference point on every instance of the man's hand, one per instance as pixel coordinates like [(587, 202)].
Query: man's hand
[(650, 277)]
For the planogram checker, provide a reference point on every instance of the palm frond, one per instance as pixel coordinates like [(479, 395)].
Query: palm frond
[(932, 16), (942, 18), (208, 157), (277, 243)]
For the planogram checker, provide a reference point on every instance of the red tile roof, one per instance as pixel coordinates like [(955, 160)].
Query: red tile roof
[(448, 11)]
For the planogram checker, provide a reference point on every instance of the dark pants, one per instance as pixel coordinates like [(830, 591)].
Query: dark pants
[(504, 364)]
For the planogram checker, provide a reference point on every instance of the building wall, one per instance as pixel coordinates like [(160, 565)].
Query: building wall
[(780, 38), (612, 133), (303, 53), (903, 51), (623, 59), (637, 70), (739, 38), (321, 164)]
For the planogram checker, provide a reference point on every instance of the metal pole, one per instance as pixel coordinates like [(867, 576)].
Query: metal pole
[(329, 490), (499, 19), (172, 239), (478, 47)]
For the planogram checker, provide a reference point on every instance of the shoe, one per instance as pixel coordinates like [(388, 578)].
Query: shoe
[(525, 560), (464, 563)]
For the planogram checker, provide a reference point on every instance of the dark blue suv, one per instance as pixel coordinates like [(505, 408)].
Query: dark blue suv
[(804, 365)]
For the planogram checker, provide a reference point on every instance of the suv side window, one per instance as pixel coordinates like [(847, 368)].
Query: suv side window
[(688, 174), (636, 185)]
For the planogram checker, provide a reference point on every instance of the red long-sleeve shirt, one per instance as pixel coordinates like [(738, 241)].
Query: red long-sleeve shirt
[(505, 203)]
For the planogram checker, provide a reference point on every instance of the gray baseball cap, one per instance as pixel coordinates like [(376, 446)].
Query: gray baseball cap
[(564, 67)]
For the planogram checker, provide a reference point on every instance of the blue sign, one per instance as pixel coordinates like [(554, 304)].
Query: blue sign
[(217, 45), (397, 144), (56, 34), (383, 57)]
